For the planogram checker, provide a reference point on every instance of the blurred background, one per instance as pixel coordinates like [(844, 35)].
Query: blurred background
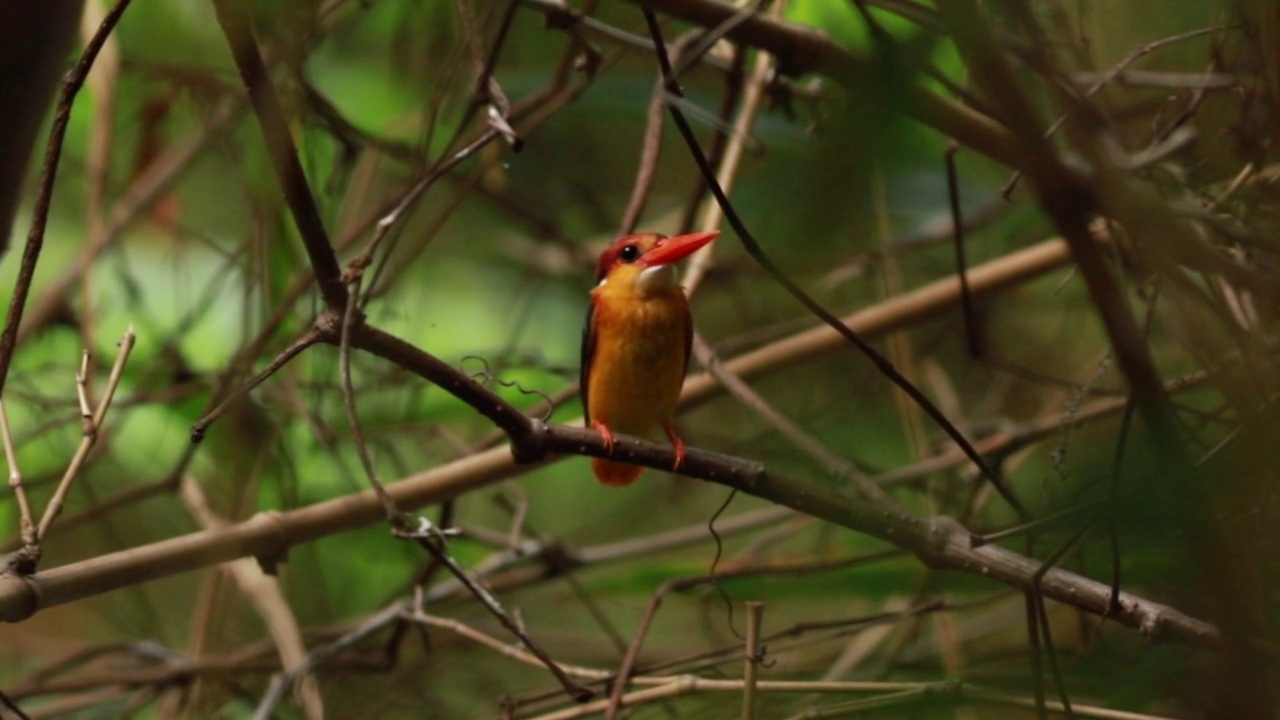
[(167, 217)]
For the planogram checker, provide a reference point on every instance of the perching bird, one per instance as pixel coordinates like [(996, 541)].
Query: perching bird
[(635, 347)]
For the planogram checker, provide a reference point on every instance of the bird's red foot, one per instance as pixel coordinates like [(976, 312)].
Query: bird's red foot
[(677, 443), (608, 472), (605, 434)]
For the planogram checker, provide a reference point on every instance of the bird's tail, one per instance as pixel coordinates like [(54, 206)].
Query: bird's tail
[(615, 474)]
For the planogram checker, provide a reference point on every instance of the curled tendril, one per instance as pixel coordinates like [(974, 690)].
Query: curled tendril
[(759, 658), (711, 573), (486, 376)]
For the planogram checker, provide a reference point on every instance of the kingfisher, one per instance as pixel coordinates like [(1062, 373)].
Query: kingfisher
[(635, 346)]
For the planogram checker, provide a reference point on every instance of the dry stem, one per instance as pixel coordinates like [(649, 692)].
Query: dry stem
[(92, 427)]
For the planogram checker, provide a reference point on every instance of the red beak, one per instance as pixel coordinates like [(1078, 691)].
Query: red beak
[(676, 248)]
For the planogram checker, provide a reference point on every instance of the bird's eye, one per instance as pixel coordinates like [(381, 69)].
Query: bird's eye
[(628, 253)]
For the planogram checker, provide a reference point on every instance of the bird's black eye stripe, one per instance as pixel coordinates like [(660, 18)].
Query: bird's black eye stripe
[(629, 253)]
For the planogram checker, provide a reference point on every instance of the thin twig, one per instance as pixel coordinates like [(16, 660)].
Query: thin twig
[(432, 539), (282, 682), (972, 331), (954, 692), (786, 427), (512, 651), (82, 393), (1110, 76), (650, 149), (753, 95), (349, 320), (27, 521), (389, 218), (13, 706), (616, 693), (751, 662), (122, 499), (91, 433), (311, 337)]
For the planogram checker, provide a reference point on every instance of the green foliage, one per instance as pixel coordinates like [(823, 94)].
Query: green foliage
[(489, 271)]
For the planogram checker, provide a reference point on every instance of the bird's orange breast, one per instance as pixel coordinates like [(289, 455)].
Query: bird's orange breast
[(638, 360)]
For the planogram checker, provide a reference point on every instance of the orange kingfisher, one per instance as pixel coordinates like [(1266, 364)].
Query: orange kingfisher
[(635, 347)]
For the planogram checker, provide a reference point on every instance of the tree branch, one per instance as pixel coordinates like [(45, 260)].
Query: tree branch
[(235, 22)]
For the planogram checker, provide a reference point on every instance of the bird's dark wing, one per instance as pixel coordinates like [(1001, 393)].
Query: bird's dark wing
[(588, 352), (688, 341)]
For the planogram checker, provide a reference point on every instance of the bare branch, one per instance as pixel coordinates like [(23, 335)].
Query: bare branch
[(233, 17), (92, 427), (71, 85), (27, 525), (751, 662)]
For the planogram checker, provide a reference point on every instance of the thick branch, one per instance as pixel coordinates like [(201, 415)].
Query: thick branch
[(260, 536), (939, 542), (284, 155)]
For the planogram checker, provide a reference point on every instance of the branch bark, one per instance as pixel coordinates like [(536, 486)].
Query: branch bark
[(939, 542)]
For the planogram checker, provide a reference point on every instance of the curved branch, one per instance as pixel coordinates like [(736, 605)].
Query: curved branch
[(269, 544), (939, 542)]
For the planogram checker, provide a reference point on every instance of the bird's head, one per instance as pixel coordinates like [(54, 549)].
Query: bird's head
[(646, 262)]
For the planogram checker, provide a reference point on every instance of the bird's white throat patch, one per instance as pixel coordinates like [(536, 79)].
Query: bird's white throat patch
[(656, 280)]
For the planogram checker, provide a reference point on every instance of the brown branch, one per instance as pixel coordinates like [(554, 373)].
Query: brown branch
[(26, 521), (170, 669), (924, 303), (350, 322), (235, 22), (267, 597), (511, 651), (432, 539), (268, 536), (311, 337), (92, 426), (939, 542), (890, 694), (615, 701), (71, 85), (830, 461), (751, 661), (650, 150)]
